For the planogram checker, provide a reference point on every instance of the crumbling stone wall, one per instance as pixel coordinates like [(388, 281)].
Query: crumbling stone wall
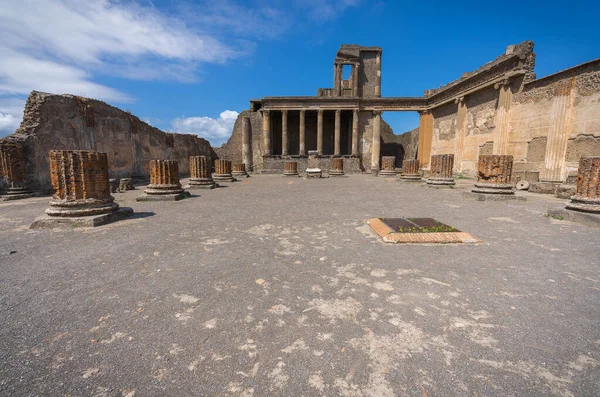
[(67, 122)]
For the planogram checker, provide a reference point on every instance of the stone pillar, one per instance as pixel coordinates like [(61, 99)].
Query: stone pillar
[(320, 132), (587, 195), (336, 166), (502, 117), (355, 133), (302, 150), (378, 79), (284, 133), (290, 168), (80, 181), (558, 133), (355, 79), (337, 137), (494, 173), (246, 144), (12, 170), (126, 184), (388, 166), (200, 175), (441, 170), (410, 171), (376, 144), (267, 150), (425, 137), (314, 168), (459, 139), (238, 170), (164, 182), (223, 171)]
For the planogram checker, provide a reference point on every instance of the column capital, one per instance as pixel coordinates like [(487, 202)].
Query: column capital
[(265, 112), (338, 112), (425, 112), (503, 83), (355, 111), (459, 100), (377, 112), (320, 111), (284, 111)]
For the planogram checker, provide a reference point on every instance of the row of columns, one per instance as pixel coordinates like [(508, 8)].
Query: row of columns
[(285, 139)]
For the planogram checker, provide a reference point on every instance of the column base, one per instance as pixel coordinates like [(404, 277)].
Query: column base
[(201, 183), (440, 182), (9, 196), (163, 197), (224, 178), (410, 177), (336, 173), (239, 174), (291, 174), (584, 204), (387, 174), (494, 188), (51, 222), (584, 218)]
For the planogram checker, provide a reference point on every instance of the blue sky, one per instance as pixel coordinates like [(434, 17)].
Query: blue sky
[(190, 66)]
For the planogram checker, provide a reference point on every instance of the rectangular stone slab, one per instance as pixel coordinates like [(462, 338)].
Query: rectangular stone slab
[(51, 222)]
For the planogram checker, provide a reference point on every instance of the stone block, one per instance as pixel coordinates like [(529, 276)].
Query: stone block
[(542, 187), (565, 191), (51, 222)]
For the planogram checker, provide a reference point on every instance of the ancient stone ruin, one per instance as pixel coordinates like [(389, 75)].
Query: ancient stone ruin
[(223, 171), (290, 168), (494, 174), (410, 171), (336, 166), (238, 170), (13, 176), (388, 167), (164, 182), (587, 195), (441, 170), (200, 173)]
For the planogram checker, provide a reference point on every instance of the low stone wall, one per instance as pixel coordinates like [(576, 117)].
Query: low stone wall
[(67, 122), (274, 165)]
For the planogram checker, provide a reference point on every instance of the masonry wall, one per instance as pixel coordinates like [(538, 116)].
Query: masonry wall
[(67, 122)]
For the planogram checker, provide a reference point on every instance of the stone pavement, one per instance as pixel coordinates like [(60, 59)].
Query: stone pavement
[(276, 287)]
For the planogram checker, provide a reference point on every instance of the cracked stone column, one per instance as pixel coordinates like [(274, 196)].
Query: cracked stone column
[(290, 168), (223, 171), (441, 170), (164, 182), (337, 138), (376, 144), (12, 170), (284, 133), (587, 195), (246, 144), (200, 175), (355, 133), (388, 166), (410, 171), (302, 149), (336, 166), (494, 173), (267, 150), (320, 132)]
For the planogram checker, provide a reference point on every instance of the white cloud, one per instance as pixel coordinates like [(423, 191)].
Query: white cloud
[(11, 114), (216, 131)]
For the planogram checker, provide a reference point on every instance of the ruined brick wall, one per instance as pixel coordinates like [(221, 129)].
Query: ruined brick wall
[(67, 122), (232, 149), (367, 80)]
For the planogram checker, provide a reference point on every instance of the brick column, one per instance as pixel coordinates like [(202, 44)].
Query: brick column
[(302, 150), (337, 137), (290, 168), (376, 144), (410, 171), (441, 170), (200, 175), (246, 144), (336, 166), (223, 171), (267, 149), (388, 166), (238, 170), (494, 173), (13, 172), (355, 133), (587, 195), (284, 133), (80, 181), (164, 182), (320, 132)]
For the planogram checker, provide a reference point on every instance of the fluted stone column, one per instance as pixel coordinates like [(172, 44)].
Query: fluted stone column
[(410, 171), (337, 138), (223, 171), (494, 173), (302, 149), (164, 182), (238, 170), (376, 144), (459, 138), (336, 166), (355, 79), (388, 166), (378, 78), (355, 133), (284, 133), (246, 144), (441, 170), (200, 175), (502, 117), (267, 150), (425, 137), (320, 132), (81, 191), (587, 195), (13, 173), (290, 168)]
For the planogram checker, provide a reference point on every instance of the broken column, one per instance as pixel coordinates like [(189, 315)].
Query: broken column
[(388, 166), (223, 171), (13, 173), (82, 192), (200, 175), (336, 166), (441, 170), (314, 168), (126, 184), (164, 182), (290, 168), (494, 173), (410, 171), (238, 170), (587, 195), (246, 144)]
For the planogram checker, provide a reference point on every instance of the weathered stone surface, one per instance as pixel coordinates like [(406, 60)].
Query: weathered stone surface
[(238, 170), (164, 182), (13, 176), (565, 191), (441, 170), (542, 187), (126, 184), (388, 166), (587, 194), (494, 174), (336, 166), (410, 171), (200, 175), (290, 168), (223, 171), (313, 170), (114, 185)]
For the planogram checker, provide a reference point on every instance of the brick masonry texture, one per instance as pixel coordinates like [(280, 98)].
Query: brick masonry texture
[(164, 172), (222, 167), (12, 166), (410, 167), (200, 167), (495, 169), (441, 165), (79, 175), (588, 179), (388, 163)]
